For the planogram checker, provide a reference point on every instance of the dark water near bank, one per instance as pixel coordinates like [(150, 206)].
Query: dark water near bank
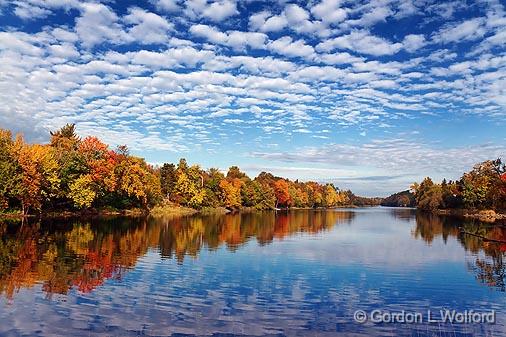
[(302, 273)]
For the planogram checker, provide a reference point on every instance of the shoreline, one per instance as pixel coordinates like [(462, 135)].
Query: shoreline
[(157, 211), (482, 215), (173, 210)]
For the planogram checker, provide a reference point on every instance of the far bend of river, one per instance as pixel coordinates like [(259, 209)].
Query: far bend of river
[(301, 273)]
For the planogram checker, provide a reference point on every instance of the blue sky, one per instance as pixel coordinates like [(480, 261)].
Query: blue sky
[(371, 95)]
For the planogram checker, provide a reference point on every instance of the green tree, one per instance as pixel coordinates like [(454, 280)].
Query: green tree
[(429, 196), (168, 179), (10, 177)]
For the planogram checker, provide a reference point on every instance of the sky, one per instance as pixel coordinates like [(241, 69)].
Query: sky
[(369, 95)]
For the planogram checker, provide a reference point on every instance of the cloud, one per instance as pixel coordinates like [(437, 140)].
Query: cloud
[(220, 10), (215, 10), (361, 42), (147, 27), (266, 22), (234, 39), (329, 11), (166, 5), (39, 9), (228, 77), (413, 42), (19, 42), (286, 46), (29, 12), (97, 24), (395, 156), (374, 15), (467, 30)]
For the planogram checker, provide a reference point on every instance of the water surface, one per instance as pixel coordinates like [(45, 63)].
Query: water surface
[(302, 273)]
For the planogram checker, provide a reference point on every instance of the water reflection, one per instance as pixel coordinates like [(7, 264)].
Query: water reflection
[(488, 256), (62, 255), (302, 273)]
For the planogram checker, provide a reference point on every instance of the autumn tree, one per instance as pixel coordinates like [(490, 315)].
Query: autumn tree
[(231, 192), (282, 193), (235, 173), (10, 177), (71, 163), (189, 188), (429, 196), (212, 178), (137, 180), (482, 186), (39, 178), (168, 179)]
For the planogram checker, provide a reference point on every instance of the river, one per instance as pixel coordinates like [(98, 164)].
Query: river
[(297, 273)]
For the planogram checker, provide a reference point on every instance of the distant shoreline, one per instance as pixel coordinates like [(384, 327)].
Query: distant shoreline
[(160, 211), (481, 215)]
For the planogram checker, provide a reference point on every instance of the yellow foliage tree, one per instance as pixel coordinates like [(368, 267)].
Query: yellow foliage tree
[(39, 168), (81, 191)]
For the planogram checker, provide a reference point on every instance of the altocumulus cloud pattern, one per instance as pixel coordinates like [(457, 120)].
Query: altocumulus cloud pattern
[(359, 92)]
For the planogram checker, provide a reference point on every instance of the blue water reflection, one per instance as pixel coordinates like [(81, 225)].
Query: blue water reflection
[(304, 273)]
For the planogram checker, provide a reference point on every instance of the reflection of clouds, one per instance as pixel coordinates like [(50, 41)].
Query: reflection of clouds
[(303, 284), (247, 295)]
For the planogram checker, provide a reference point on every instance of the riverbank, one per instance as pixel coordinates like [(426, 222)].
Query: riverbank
[(482, 215), (135, 212), (167, 209)]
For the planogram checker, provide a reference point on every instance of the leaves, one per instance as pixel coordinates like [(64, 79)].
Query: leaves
[(82, 192)]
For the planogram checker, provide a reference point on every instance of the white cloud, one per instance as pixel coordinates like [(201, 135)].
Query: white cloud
[(295, 13), (339, 58), (220, 10), (413, 42), (376, 14), (467, 30), (204, 86), (361, 42), (147, 27), (19, 42), (37, 9), (329, 11), (166, 5), (98, 23), (234, 39), (393, 155), (66, 51), (286, 46), (215, 10), (274, 24), (292, 17), (26, 11)]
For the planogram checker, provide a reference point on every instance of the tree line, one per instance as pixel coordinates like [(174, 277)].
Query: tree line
[(484, 187), (72, 173)]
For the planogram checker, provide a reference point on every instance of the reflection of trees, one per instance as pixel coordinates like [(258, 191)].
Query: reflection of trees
[(405, 214), (429, 226), (61, 256), (186, 235), (491, 273), (489, 270)]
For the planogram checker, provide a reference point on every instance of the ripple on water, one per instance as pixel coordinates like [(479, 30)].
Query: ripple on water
[(292, 276)]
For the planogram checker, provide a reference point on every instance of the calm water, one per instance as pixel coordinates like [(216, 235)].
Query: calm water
[(304, 273)]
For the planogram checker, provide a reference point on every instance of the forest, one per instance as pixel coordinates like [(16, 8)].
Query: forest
[(75, 174), (484, 187)]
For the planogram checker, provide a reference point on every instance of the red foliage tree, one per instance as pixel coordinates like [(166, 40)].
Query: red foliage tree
[(283, 197)]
